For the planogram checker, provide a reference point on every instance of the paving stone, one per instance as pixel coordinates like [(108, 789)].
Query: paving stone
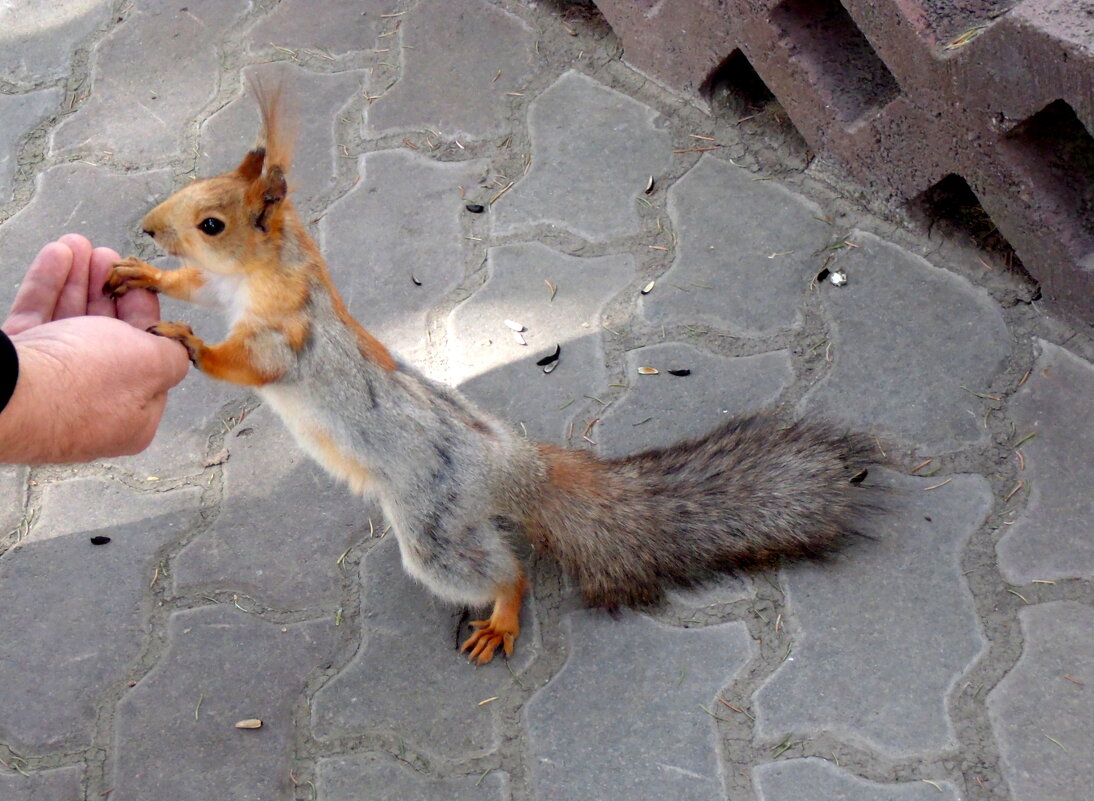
[(73, 613), (487, 362), (384, 779), (317, 99), (38, 40), (412, 206), (917, 337), (1044, 723), (593, 150), (138, 114), (59, 784), (409, 638), (1051, 539), (882, 632), (343, 27), (103, 206), (583, 741), (20, 114), (175, 731), (283, 524), (448, 81), (681, 407), (180, 445), (796, 779), (13, 491), (746, 254)]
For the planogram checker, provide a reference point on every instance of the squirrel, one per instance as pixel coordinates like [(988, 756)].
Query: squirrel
[(457, 485)]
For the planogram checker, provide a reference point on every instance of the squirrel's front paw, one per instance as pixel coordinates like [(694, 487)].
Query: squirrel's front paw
[(181, 333), (130, 273)]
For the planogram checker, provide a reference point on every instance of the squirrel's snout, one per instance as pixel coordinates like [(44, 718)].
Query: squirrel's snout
[(150, 232)]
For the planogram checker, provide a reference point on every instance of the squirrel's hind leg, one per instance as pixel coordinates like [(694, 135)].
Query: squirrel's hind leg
[(503, 626)]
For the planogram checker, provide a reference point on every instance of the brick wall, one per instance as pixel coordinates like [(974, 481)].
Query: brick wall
[(982, 103)]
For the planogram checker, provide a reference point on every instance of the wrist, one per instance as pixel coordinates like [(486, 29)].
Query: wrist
[(9, 369), (26, 427)]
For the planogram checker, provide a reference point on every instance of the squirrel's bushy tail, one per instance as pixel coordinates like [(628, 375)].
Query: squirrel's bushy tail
[(752, 491)]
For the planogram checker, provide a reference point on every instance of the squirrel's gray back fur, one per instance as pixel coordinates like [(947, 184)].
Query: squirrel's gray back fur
[(750, 492)]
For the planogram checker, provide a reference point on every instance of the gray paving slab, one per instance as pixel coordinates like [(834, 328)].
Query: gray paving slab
[(381, 778), (659, 410), (1051, 538), (1042, 712), (74, 613), (922, 341), (489, 363), (625, 718), (21, 114), (343, 27), (318, 100), (797, 779), (38, 40), (139, 114), (104, 206), (413, 206), (283, 524), (847, 673), (593, 151), (747, 251), (463, 63), (13, 494), (59, 784), (176, 738), (409, 637)]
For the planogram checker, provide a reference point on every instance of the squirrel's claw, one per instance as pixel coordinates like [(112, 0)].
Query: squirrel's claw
[(130, 273), (181, 333), (484, 642)]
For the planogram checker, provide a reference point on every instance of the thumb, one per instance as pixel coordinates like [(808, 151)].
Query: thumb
[(172, 358)]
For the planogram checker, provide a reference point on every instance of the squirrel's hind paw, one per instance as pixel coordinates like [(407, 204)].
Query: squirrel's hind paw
[(484, 642)]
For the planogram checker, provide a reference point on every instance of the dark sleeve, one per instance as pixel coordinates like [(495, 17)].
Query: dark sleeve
[(9, 369)]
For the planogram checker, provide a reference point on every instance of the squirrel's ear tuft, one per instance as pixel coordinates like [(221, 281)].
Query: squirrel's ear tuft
[(251, 166)]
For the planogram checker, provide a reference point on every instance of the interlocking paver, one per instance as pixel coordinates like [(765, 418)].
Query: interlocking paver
[(446, 84), (74, 613), (593, 150), (21, 113), (409, 637), (882, 632), (317, 105), (923, 340), (38, 40), (413, 234), (384, 779), (1042, 711), (13, 491), (660, 410), (747, 250), (488, 362), (1051, 539), (58, 784), (139, 114), (176, 736), (286, 557), (624, 717), (70, 197), (797, 779), (342, 27)]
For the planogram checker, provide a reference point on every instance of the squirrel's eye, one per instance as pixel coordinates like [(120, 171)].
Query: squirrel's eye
[(211, 226)]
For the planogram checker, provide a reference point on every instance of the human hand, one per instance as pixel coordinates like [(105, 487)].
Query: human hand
[(91, 383)]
